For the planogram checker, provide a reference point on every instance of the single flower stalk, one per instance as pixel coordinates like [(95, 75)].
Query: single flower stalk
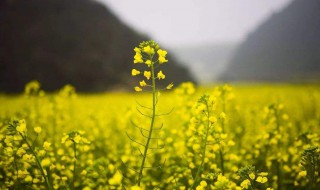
[(150, 54)]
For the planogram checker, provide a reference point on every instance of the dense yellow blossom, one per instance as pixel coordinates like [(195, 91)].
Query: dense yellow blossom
[(265, 126)]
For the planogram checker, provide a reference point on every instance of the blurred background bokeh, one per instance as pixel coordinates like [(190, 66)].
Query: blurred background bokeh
[(89, 44)]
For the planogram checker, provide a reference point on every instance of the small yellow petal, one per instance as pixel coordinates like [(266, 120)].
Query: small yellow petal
[(143, 83), (137, 89), (162, 60), (147, 74), (160, 75), (262, 179), (135, 72), (251, 175), (137, 50), (162, 53), (138, 58), (169, 86), (149, 50), (148, 62), (37, 130)]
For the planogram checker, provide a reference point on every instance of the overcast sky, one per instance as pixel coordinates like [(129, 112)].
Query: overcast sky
[(179, 22)]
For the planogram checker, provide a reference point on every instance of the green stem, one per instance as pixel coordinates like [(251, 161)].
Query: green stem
[(221, 161), (144, 156), (17, 170), (200, 168), (38, 162), (252, 184), (313, 170)]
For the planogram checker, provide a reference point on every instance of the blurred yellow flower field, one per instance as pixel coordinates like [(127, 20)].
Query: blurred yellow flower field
[(219, 137)]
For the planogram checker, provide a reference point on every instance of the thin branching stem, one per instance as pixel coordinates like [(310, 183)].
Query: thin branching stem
[(38, 162), (151, 125)]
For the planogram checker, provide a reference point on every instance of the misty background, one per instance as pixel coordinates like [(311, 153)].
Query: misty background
[(204, 34), (89, 43)]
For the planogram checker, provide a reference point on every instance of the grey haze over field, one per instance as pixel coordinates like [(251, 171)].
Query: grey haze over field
[(202, 34), (186, 22)]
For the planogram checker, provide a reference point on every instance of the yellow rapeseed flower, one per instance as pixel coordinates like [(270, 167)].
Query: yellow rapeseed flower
[(137, 50), (162, 53), (203, 183), (46, 145), (147, 74), (77, 139), (222, 115), (245, 184), (149, 50), (137, 89), (20, 152), (28, 178), (162, 60), (148, 62), (261, 179), (303, 173), (45, 162), (64, 138), (196, 147), (162, 56), (135, 72), (252, 176), (160, 75), (22, 173), (22, 127), (116, 179), (143, 83), (37, 130), (213, 119), (138, 58)]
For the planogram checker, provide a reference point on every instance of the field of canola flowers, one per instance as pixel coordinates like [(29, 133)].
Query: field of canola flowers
[(220, 137), (263, 137)]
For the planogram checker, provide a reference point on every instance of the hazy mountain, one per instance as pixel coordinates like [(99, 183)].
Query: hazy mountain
[(206, 62), (286, 47), (69, 41)]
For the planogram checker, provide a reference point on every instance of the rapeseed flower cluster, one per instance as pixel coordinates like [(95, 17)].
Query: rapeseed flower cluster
[(150, 54)]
